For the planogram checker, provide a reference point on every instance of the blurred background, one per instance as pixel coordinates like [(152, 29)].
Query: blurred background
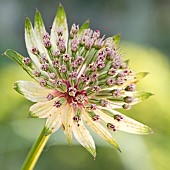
[(145, 39)]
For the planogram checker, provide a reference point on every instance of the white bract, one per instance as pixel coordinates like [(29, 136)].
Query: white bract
[(80, 78)]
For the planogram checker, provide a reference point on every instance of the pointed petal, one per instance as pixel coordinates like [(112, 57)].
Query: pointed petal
[(126, 124), (141, 75), (54, 121), (142, 95), (100, 130), (116, 39), (30, 41), (32, 91), (60, 21), (84, 26), (40, 30), (19, 60), (67, 122), (43, 109), (83, 137)]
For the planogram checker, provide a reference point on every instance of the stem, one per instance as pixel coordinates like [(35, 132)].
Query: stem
[(35, 151)]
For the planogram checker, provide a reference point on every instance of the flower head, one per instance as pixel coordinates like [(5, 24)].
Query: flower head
[(80, 78)]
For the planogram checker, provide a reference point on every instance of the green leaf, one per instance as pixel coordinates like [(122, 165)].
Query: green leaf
[(19, 60), (84, 26)]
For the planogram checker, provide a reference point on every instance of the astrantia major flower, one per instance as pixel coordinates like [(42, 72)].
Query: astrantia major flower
[(80, 78)]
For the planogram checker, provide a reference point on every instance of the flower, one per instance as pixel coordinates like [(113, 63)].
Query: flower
[(80, 78)]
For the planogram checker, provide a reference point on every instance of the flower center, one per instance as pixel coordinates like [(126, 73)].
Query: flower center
[(74, 97)]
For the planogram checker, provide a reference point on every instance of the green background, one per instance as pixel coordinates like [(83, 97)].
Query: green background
[(145, 40)]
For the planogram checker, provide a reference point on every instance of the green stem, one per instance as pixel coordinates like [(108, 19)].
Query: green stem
[(35, 151)]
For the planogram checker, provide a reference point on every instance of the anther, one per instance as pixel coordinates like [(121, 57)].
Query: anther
[(126, 106), (43, 82), (50, 96), (116, 93), (93, 106), (104, 102), (128, 99), (111, 127), (110, 81), (72, 91), (36, 73), (44, 67), (76, 118), (34, 50), (118, 117), (27, 61), (66, 57), (131, 87), (57, 104), (96, 117)]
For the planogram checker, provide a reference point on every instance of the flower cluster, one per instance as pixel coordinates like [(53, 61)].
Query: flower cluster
[(81, 78)]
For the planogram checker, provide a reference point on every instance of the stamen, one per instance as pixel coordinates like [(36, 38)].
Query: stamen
[(112, 72), (50, 96), (27, 61), (73, 75), (131, 87), (76, 118), (116, 93), (59, 31), (66, 57), (119, 81), (56, 53), (74, 104), (126, 106), (63, 69), (96, 117), (52, 75), (43, 82), (72, 91), (35, 51), (111, 127), (96, 89), (118, 117), (44, 67), (128, 99), (94, 77), (80, 98), (55, 63), (110, 81), (36, 73), (57, 104), (104, 102), (93, 106)]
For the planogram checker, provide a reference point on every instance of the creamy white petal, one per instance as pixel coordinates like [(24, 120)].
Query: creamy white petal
[(30, 41), (100, 130), (32, 91), (40, 30), (60, 21), (83, 137), (67, 122), (126, 124), (43, 109), (54, 121)]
